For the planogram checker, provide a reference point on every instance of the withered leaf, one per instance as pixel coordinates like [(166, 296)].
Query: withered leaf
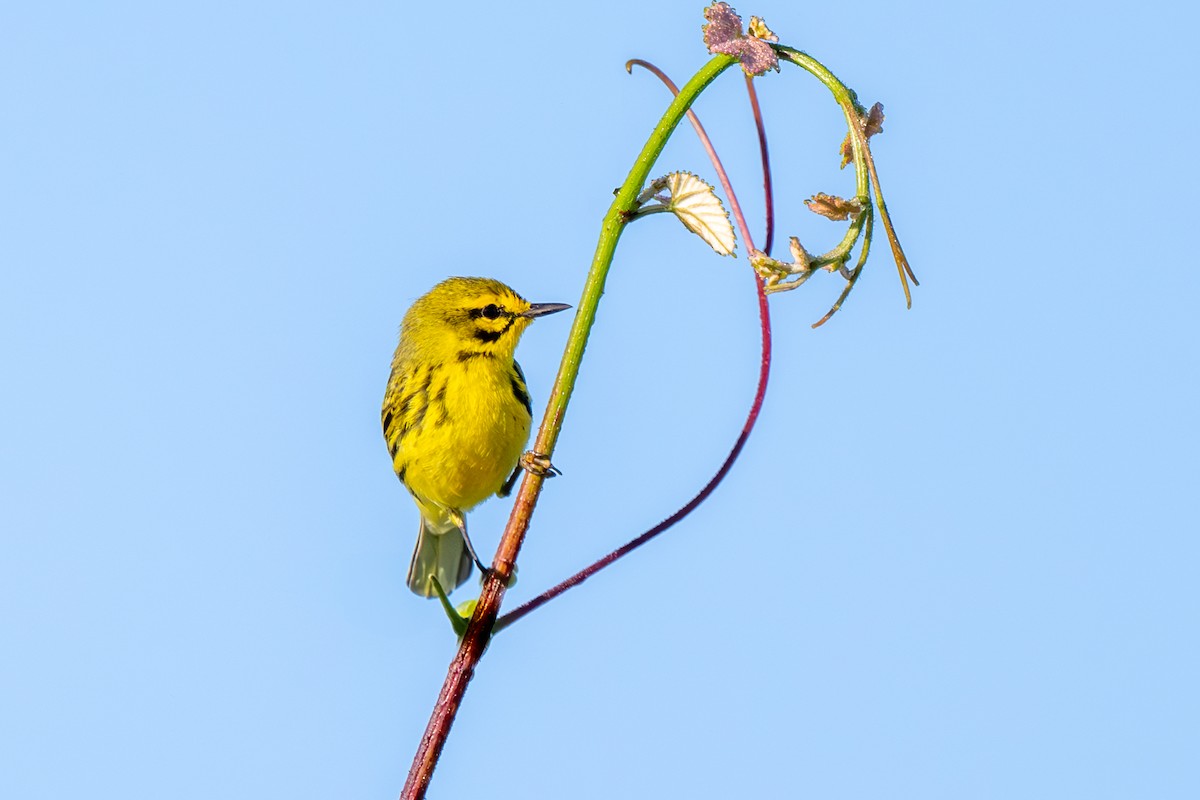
[(871, 125), (847, 151), (833, 207), (874, 121)]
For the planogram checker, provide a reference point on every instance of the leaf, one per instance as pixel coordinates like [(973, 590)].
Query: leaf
[(874, 121), (699, 209), (872, 125), (847, 151), (832, 207)]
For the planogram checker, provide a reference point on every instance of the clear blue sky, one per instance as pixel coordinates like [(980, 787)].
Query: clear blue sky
[(957, 560)]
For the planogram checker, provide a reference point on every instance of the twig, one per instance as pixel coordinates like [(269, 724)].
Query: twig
[(479, 629), (764, 313)]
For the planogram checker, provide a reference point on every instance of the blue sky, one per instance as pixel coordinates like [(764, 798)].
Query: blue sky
[(957, 559)]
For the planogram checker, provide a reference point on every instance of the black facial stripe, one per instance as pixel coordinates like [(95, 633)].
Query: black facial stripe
[(494, 336), (488, 336)]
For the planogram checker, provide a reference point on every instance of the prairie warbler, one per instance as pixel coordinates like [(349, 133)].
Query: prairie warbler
[(456, 414)]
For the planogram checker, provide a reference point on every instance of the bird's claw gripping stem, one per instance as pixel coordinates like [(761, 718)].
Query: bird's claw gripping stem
[(538, 464)]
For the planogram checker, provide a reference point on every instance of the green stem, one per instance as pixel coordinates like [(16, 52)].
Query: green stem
[(615, 220), (845, 98), (864, 163), (479, 629)]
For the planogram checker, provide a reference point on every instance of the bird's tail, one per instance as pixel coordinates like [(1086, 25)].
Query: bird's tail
[(441, 553)]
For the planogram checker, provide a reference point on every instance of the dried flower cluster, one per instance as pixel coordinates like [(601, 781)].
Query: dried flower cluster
[(723, 34)]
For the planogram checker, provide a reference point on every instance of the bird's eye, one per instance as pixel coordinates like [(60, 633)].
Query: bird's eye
[(491, 311)]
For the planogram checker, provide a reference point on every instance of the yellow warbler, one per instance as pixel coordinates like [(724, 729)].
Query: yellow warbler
[(456, 414)]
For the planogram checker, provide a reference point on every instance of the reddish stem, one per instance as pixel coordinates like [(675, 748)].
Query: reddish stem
[(764, 371), (768, 190)]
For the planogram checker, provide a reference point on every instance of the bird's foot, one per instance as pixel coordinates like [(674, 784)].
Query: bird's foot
[(538, 464)]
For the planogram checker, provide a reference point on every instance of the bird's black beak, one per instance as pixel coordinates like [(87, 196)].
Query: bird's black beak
[(542, 309)]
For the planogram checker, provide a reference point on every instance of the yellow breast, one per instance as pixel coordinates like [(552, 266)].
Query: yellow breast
[(471, 436)]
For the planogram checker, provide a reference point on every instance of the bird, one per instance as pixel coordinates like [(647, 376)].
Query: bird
[(456, 416)]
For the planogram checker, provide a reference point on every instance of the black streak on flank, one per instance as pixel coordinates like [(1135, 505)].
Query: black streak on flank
[(418, 417), (440, 400), (467, 355), (387, 422), (522, 396), (407, 400)]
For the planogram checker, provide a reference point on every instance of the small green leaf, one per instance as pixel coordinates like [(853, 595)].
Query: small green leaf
[(697, 206), (458, 621)]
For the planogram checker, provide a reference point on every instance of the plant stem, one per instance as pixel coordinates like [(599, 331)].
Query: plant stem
[(479, 630), (764, 313), (764, 154), (864, 163), (849, 103), (611, 229)]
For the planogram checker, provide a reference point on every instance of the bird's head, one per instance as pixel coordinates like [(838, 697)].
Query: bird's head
[(463, 317)]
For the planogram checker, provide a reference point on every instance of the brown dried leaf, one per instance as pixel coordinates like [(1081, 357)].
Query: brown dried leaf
[(847, 151), (874, 121), (871, 125), (833, 207)]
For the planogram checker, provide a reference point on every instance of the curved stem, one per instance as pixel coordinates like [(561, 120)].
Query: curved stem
[(764, 313), (864, 162), (845, 98), (768, 190), (858, 268), (764, 372), (479, 629), (734, 207)]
